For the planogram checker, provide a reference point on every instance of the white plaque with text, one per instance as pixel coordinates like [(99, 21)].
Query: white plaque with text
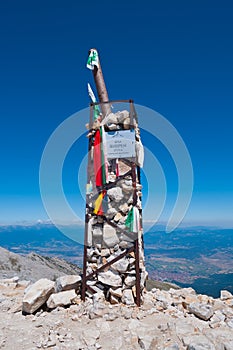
[(120, 144)]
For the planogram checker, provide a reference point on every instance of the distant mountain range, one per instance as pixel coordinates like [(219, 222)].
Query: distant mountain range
[(194, 256), (44, 239)]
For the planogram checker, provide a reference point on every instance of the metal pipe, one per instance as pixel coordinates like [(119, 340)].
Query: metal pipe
[(101, 88), (138, 287)]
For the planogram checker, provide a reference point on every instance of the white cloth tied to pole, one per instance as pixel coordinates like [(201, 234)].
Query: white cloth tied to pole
[(91, 93), (93, 59), (139, 153)]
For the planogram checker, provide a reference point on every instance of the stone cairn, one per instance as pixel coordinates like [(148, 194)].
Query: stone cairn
[(113, 252)]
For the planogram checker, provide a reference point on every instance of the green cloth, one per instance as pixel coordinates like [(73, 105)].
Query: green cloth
[(93, 59), (129, 222)]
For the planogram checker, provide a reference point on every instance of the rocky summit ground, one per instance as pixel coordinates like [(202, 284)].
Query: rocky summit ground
[(175, 319)]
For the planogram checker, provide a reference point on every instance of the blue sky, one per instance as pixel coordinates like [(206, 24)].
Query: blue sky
[(172, 56)]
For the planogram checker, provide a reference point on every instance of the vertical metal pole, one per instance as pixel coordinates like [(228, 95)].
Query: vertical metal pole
[(138, 292), (136, 245), (101, 89), (134, 183), (83, 293), (131, 115), (84, 279)]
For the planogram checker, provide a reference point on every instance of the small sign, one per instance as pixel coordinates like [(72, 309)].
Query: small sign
[(120, 144)]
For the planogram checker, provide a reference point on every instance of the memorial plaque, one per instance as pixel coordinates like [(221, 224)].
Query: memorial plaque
[(120, 144)]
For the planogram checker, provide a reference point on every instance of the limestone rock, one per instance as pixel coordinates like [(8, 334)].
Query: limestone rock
[(111, 118), (92, 253), (143, 278), (189, 299), (67, 282), (117, 217), (123, 168), (61, 299), (114, 300), (121, 265), (200, 343), (98, 310), (228, 345), (173, 346), (126, 187), (115, 194), (202, 311), (117, 292), (97, 232), (105, 252), (183, 292), (126, 123), (9, 281), (230, 323), (217, 318), (98, 298), (113, 126), (229, 302), (37, 294), (224, 295), (23, 284), (121, 116), (125, 244), (90, 337), (145, 342), (127, 297), (124, 208), (126, 238), (110, 237), (130, 281), (110, 278), (111, 212)]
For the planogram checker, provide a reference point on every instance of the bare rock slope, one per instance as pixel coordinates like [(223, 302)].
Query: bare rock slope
[(33, 266)]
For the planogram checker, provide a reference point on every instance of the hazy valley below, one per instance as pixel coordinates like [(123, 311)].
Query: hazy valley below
[(198, 257)]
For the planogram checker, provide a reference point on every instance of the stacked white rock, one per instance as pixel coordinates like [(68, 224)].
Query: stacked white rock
[(64, 291), (107, 235)]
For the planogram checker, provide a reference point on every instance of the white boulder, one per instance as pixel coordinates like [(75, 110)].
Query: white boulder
[(37, 294)]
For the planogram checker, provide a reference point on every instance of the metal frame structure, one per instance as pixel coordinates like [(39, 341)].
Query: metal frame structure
[(135, 174)]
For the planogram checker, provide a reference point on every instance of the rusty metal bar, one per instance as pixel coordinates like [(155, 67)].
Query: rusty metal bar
[(112, 184), (138, 288), (131, 115), (129, 234), (136, 245), (90, 289), (134, 181), (84, 273), (111, 101), (139, 174)]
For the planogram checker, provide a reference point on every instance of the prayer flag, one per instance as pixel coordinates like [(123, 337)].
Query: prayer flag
[(98, 210), (98, 159), (96, 108), (133, 220), (93, 59), (104, 156)]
